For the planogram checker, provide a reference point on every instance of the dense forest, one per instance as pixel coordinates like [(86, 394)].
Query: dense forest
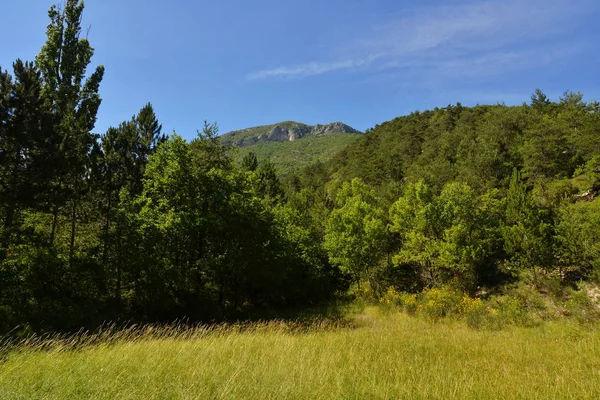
[(133, 224)]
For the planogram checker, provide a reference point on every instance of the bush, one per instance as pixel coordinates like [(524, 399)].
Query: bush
[(520, 308), (581, 306), (512, 311), (476, 313), (440, 302), (406, 301)]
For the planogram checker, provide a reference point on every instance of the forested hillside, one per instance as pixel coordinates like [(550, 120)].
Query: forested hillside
[(468, 197), (136, 225)]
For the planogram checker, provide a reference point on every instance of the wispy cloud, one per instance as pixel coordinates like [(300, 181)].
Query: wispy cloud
[(478, 38), (309, 69)]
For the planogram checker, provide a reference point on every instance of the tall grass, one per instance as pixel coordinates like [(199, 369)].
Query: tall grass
[(377, 357)]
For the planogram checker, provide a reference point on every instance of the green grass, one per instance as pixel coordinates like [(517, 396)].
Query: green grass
[(293, 156), (380, 357)]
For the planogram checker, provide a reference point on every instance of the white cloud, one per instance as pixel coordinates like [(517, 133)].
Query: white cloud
[(481, 37), (313, 68)]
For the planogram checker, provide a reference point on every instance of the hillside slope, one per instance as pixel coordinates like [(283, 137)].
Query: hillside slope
[(290, 145), (478, 145), (292, 156)]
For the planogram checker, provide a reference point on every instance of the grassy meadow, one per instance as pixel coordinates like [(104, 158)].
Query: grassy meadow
[(375, 355)]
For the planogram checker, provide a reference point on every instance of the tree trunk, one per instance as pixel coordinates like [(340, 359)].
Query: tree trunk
[(118, 266), (8, 222), (54, 223), (107, 230), (73, 232), (55, 209), (12, 203)]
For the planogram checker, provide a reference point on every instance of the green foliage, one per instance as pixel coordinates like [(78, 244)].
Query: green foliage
[(137, 226), (250, 162), (591, 172), (584, 304), (579, 239), (526, 231), (447, 236), (441, 302), (132, 224), (269, 186), (355, 235), (292, 156)]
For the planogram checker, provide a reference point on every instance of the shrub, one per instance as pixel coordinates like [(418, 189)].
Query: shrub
[(581, 306), (512, 311), (409, 303), (440, 302), (406, 301), (476, 313)]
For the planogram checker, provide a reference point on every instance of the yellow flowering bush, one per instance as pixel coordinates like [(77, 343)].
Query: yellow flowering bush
[(391, 297), (440, 302), (476, 313), (409, 302), (437, 303)]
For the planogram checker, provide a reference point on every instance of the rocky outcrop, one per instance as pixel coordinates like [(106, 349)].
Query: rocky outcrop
[(283, 132), (334, 127)]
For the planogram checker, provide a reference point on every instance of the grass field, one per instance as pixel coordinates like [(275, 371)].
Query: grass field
[(390, 356)]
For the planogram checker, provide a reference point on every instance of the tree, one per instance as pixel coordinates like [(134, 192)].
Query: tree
[(73, 102), (548, 151), (355, 235), (578, 237), (411, 218), (539, 99), (571, 99), (269, 186), (21, 141), (526, 232), (148, 137), (250, 162), (448, 237)]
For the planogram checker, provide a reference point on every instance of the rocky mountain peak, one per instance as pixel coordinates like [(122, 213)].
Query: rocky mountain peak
[(283, 132)]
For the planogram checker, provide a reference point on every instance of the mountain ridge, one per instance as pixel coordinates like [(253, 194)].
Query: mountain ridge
[(286, 131)]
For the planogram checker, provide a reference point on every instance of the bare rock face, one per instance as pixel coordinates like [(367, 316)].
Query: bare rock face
[(334, 127), (283, 132)]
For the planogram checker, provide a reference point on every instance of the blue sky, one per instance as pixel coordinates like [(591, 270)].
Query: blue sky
[(245, 63)]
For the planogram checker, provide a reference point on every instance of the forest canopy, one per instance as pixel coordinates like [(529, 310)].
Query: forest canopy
[(134, 224)]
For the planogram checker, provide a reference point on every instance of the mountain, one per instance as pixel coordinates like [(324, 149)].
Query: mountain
[(292, 145), (287, 131)]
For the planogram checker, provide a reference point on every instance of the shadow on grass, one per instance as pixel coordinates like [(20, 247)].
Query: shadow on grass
[(332, 315)]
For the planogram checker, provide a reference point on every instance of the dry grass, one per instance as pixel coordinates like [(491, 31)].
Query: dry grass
[(380, 357)]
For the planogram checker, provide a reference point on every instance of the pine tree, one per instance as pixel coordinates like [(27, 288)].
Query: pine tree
[(527, 235), (21, 141), (73, 102), (250, 162)]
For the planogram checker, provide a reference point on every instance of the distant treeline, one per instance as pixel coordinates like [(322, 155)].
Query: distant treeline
[(136, 225)]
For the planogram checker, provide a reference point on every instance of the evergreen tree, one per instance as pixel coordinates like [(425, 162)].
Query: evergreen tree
[(250, 163), (539, 99), (269, 186), (527, 235), (20, 138), (73, 101)]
